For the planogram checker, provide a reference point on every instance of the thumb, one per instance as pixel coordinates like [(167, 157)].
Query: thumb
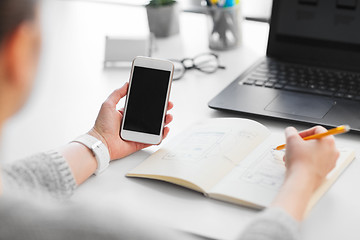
[(118, 94), (291, 134)]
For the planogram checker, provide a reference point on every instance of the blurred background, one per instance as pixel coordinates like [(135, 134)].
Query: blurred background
[(252, 9)]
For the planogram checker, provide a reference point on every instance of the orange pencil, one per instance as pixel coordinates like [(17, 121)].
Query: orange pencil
[(333, 131)]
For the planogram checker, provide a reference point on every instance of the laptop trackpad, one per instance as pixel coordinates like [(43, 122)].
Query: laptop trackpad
[(300, 105)]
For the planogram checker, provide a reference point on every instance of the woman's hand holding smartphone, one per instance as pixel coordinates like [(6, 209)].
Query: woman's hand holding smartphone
[(107, 126)]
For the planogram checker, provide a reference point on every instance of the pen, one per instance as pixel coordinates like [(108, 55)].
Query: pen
[(333, 131), (221, 3), (229, 3)]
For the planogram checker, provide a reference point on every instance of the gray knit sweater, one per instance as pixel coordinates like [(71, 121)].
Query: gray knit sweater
[(23, 214)]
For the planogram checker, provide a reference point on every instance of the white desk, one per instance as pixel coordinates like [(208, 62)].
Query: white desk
[(72, 84)]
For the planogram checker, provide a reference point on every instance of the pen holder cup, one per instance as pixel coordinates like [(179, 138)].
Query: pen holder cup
[(225, 27)]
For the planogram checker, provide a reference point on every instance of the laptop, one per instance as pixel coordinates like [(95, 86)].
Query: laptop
[(311, 72)]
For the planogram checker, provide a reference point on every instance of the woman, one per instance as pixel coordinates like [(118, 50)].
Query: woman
[(57, 173)]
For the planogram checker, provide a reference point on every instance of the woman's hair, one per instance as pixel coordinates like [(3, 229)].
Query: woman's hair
[(13, 13)]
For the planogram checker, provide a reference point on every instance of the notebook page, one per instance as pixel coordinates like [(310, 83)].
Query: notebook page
[(205, 153), (258, 178)]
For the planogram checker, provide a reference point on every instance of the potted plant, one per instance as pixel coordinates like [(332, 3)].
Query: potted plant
[(163, 16)]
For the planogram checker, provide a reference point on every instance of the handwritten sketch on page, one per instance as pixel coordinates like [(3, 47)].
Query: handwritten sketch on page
[(205, 145), (197, 146), (268, 170)]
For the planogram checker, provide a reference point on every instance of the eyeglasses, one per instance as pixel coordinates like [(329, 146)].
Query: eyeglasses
[(206, 63)]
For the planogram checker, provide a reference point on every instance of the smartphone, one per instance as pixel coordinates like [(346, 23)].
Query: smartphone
[(147, 100)]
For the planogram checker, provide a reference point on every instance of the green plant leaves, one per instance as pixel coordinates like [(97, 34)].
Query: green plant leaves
[(157, 3)]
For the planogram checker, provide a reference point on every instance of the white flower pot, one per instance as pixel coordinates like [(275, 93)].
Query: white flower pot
[(164, 20)]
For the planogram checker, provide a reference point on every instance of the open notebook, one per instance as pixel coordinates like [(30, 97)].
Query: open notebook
[(229, 159)]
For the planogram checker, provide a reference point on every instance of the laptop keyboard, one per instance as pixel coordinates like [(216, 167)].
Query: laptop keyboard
[(301, 78)]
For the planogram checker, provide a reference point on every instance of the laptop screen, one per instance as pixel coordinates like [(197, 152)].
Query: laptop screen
[(324, 32)]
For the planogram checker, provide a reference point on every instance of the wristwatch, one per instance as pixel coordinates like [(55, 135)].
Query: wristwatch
[(99, 150)]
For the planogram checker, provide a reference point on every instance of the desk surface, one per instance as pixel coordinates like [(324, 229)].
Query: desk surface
[(72, 84)]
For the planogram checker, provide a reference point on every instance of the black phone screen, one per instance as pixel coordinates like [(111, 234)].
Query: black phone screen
[(146, 101)]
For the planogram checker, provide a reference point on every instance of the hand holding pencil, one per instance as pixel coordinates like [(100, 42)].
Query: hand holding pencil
[(307, 165), (310, 159), (333, 131)]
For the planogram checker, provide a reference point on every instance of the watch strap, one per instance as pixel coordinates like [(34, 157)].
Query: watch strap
[(99, 150)]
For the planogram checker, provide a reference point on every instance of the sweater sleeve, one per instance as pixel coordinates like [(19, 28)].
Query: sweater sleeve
[(32, 219), (44, 173), (272, 224)]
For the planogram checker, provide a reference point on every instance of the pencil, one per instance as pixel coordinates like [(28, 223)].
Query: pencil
[(213, 2), (333, 131)]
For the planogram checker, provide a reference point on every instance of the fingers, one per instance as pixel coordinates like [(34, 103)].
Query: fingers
[(121, 110), (170, 106), (294, 138), (312, 131), (116, 95), (166, 132), (291, 133), (328, 140), (168, 119)]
